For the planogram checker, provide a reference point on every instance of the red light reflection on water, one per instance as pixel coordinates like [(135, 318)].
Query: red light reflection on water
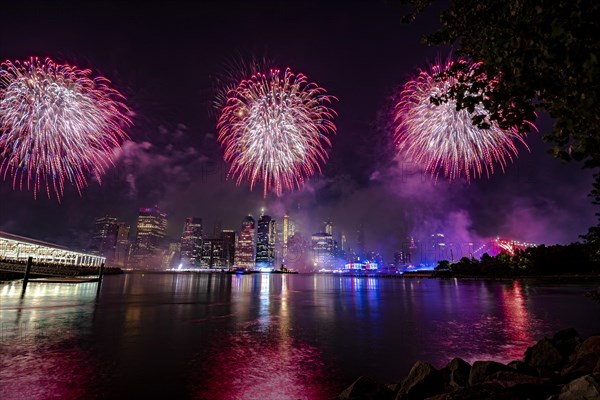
[(50, 373), (275, 367), (41, 354), (262, 359), (517, 321)]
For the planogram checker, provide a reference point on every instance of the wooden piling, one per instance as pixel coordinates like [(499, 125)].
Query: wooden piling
[(100, 275), (27, 272)]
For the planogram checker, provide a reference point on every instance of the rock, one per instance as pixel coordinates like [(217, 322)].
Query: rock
[(584, 359), (544, 354), (394, 387), (597, 369), (589, 346), (526, 386), (483, 369), (579, 367), (422, 381), (523, 368), (509, 379), (366, 389), (566, 341), (488, 391), (442, 396), (456, 373), (584, 388), (565, 334)]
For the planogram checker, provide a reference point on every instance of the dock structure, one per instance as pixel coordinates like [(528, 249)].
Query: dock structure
[(16, 250), (57, 264)]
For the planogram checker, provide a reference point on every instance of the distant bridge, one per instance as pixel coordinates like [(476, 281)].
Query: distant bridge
[(498, 245)]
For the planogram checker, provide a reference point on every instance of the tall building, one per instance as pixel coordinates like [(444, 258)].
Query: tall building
[(299, 255), (172, 257), (123, 247), (244, 252), (191, 242), (229, 241), (151, 232), (212, 254), (265, 242), (329, 228), (286, 236), (104, 237), (323, 246)]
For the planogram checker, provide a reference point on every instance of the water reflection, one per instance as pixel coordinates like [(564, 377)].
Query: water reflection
[(42, 355), (517, 321), (264, 336), (261, 358), (486, 321)]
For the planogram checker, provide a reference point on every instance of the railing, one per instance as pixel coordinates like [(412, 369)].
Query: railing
[(48, 270)]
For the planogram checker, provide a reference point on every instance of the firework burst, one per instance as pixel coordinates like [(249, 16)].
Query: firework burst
[(274, 128), (57, 124), (444, 140)]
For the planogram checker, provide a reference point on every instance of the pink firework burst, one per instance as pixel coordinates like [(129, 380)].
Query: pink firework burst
[(274, 128), (443, 140), (57, 124)]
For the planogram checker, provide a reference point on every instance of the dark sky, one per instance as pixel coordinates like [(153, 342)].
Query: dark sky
[(164, 56)]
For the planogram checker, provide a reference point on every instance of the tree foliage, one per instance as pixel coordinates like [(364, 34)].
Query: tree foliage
[(540, 260), (544, 54)]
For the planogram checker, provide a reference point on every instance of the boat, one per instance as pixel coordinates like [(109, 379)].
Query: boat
[(239, 271), (284, 270)]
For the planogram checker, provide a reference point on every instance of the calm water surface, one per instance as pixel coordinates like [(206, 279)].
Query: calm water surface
[(197, 336)]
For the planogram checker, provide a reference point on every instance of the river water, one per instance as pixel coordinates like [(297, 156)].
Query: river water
[(262, 336)]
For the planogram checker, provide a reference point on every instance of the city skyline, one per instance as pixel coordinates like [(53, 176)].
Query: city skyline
[(269, 245), (173, 159)]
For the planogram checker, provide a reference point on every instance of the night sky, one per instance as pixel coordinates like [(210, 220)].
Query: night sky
[(165, 58)]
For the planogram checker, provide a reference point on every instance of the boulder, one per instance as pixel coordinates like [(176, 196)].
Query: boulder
[(456, 373), (422, 381), (589, 346), (365, 388), (487, 391), (483, 369), (584, 388), (579, 367), (526, 386), (544, 355), (584, 359), (510, 379), (523, 368), (566, 341)]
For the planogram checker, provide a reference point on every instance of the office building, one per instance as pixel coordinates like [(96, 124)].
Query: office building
[(191, 242)]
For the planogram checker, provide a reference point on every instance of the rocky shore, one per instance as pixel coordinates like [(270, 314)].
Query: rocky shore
[(563, 367)]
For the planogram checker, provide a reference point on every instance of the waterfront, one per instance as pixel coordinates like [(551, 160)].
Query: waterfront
[(277, 336)]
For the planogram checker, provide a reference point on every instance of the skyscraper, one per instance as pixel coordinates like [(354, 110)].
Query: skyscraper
[(191, 242), (212, 254), (286, 235), (323, 246), (265, 242), (229, 242), (151, 231), (329, 228), (105, 237), (244, 252), (123, 245)]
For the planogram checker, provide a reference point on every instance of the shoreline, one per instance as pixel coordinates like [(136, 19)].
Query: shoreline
[(374, 275), (562, 367)]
